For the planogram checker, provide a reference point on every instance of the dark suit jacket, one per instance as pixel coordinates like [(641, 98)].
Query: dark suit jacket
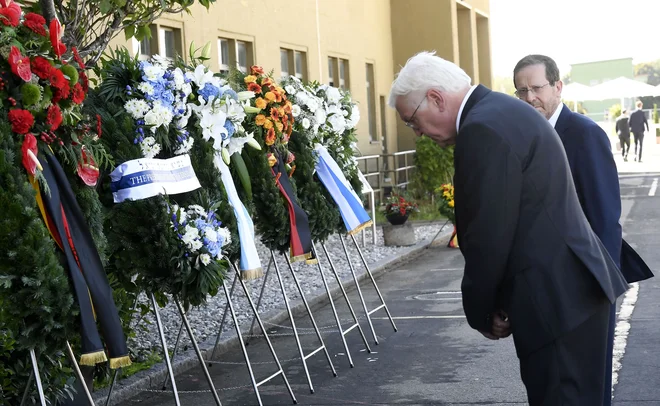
[(596, 181), (638, 122), (529, 250), (622, 126)]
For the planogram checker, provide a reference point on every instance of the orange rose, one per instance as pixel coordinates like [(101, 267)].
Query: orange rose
[(268, 124), (270, 96), (261, 103), (271, 137), (287, 107), (250, 79), (279, 126), (260, 120), (280, 112), (256, 70), (266, 82)]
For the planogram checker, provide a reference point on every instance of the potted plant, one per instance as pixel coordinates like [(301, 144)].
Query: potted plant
[(656, 119), (446, 207), (397, 209)]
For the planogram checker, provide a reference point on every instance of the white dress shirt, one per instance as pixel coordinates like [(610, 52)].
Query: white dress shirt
[(555, 116), (460, 111)]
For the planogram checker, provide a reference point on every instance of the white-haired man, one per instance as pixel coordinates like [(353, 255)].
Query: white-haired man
[(533, 265)]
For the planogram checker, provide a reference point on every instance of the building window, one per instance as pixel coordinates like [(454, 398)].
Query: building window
[(241, 56), (371, 102), (232, 52), (144, 47), (169, 42), (223, 55), (338, 68), (300, 62), (293, 63), (331, 71), (284, 63)]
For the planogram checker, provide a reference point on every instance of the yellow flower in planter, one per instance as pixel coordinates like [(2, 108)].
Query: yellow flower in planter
[(260, 120), (451, 203)]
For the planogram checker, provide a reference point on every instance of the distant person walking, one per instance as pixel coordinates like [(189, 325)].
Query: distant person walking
[(623, 131), (637, 123)]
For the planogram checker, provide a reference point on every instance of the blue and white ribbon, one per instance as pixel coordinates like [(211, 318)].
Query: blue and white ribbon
[(250, 264), (350, 205), (147, 177)]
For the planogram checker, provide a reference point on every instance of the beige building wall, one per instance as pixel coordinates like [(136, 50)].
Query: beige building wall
[(457, 30), (370, 38)]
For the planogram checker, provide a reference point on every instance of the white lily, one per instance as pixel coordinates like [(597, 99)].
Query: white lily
[(246, 95)]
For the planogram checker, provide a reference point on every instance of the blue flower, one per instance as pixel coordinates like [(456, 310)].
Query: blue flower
[(231, 93), (209, 90), (230, 128)]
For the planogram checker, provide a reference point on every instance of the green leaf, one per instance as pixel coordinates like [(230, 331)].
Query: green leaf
[(129, 32), (105, 6), (243, 175)]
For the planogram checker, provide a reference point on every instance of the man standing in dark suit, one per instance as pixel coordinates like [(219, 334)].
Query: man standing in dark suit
[(533, 265), (623, 131), (594, 172), (637, 123)]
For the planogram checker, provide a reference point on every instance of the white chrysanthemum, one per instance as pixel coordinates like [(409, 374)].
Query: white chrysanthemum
[(306, 123), (153, 72), (313, 105), (333, 95), (197, 209), (205, 259), (196, 245), (158, 116), (149, 147), (146, 88), (338, 123), (185, 146), (136, 108), (295, 110), (211, 234), (190, 234), (320, 116), (289, 89)]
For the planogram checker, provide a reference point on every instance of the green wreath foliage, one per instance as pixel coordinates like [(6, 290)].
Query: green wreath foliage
[(145, 252), (322, 211), (36, 306)]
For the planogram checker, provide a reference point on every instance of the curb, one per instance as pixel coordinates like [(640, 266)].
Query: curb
[(154, 377)]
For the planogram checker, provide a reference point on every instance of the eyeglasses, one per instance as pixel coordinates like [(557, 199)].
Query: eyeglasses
[(534, 89), (409, 123)]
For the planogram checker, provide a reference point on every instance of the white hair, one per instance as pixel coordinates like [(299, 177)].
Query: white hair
[(426, 71)]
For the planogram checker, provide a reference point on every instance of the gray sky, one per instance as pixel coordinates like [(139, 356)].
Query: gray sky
[(573, 31)]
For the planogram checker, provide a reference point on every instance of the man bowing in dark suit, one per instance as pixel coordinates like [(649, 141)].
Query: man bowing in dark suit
[(589, 152), (533, 265)]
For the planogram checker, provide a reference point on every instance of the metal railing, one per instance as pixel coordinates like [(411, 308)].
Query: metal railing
[(387, 171)]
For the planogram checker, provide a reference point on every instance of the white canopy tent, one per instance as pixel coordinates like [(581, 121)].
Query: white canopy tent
[(577, 92), (621, 88)]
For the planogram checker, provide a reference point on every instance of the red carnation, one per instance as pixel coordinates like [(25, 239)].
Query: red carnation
[(29, 144), (21, 121), (78, 94), (61, 93), (36, 23), (77, 58), (42, 68), (54, 117), (10, 14), (20, 64), (55, 35)]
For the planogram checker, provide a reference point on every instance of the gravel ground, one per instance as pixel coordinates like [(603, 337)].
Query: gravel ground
[(205, 320)]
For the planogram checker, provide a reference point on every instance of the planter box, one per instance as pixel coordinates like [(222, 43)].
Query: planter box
[(400, 235)]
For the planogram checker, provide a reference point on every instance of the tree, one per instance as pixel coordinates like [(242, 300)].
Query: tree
[(652, 72), (566, 79), (504, 84), (91, 24)]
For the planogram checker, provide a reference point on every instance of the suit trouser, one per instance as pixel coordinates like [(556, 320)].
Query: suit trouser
[(571, 369), (639, 140), (607, 387), (625, 145)]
